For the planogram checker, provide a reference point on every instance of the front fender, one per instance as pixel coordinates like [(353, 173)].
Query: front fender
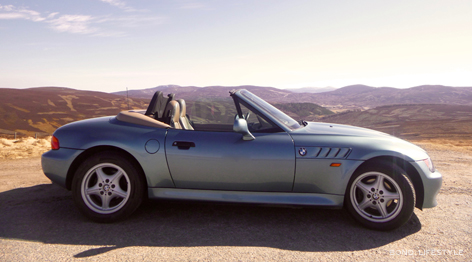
[(392, 148)]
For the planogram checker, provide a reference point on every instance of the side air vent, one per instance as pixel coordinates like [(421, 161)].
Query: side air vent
[(322, 152)]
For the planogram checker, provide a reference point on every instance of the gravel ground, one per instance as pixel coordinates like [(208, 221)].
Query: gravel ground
[(38, 221)]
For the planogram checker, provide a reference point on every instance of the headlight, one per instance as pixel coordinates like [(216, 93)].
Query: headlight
[(430, 165)]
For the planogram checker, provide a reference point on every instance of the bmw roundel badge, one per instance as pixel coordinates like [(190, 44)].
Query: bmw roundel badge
[(302, 151)]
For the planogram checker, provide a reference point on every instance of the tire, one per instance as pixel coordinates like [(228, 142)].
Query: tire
[(107, 187), (380, 196)]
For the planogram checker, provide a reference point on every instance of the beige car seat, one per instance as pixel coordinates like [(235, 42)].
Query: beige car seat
[(184, 122), (172, 114)]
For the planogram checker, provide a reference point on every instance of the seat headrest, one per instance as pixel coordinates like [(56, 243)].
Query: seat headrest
[(183, 107), (173, 113)]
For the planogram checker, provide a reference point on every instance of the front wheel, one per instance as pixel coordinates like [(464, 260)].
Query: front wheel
[(380, 196), (107, 187)]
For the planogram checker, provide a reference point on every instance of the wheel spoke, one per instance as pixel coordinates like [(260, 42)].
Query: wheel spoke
[(363, 187), (95, 190), (391, 196), (119, 193), (101, 175), (115, 177), (382, 208), (365, 204), (379, 182), (106, 201)]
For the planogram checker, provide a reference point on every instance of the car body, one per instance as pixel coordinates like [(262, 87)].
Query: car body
[(242, 151)]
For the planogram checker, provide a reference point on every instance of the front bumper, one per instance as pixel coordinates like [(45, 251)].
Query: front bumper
[(431, 183), (56, 164)]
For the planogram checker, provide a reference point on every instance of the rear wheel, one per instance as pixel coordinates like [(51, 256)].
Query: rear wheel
[(107, 187), (380, 196)]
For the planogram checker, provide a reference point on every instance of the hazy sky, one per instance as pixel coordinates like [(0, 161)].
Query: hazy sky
[(108, 45)]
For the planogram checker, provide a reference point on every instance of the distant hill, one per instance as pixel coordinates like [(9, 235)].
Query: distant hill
[(44, 109), (353, 90), (345, 98), (204, 93), (312, 89), (304, 111), (414, 122)]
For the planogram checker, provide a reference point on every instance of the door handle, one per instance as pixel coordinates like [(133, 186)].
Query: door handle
[(183, 145)]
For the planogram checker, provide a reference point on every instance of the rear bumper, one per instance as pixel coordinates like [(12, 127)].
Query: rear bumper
[(56, 164)]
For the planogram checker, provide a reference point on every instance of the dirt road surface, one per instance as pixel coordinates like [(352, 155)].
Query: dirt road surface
[(38, 221)]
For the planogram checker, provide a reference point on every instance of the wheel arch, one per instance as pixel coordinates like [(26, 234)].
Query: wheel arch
[(410, 172), (97, 149)]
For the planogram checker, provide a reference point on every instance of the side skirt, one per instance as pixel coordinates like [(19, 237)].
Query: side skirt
[(278, 198)]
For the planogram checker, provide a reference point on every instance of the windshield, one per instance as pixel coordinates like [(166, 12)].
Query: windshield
[(271, 110)]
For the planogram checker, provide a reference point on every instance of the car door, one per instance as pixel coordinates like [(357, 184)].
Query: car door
[(224, 161)]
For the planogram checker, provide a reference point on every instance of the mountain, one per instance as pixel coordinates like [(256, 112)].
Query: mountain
[(352, 90), (304, 111), (194, 93), (312, 89), (413, 122), (346, 98), (149, 92), (42, 110)]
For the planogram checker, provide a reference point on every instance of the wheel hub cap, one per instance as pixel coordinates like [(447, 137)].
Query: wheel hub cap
[(105, 188), (376, 197)]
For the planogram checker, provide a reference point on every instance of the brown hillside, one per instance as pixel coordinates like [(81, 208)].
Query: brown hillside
[(42, 110), (414, 122)]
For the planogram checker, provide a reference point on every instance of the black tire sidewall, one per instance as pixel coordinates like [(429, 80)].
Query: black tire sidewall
[(136, 186), (408, 195)]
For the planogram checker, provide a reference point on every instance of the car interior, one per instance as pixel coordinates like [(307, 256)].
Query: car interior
[(166, 112), (163, 112)]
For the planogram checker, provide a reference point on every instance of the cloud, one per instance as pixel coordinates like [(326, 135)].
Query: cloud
[(12, 16), (7, 7), (51, 15), (79, 24), (20, 13), (104, 26), (132, 21), (119, 4)]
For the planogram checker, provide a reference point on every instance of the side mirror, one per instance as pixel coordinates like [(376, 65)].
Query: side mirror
[(240, 126)]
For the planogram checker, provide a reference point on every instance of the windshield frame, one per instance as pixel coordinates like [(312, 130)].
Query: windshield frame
[(279, 117)]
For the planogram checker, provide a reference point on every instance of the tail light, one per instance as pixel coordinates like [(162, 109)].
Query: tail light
[(54, 143)]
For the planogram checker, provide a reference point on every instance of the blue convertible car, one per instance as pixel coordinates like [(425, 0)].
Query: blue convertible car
[(240, 150)]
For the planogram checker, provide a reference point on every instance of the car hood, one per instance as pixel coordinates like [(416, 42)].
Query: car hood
[(319, 128), (364, 143)]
